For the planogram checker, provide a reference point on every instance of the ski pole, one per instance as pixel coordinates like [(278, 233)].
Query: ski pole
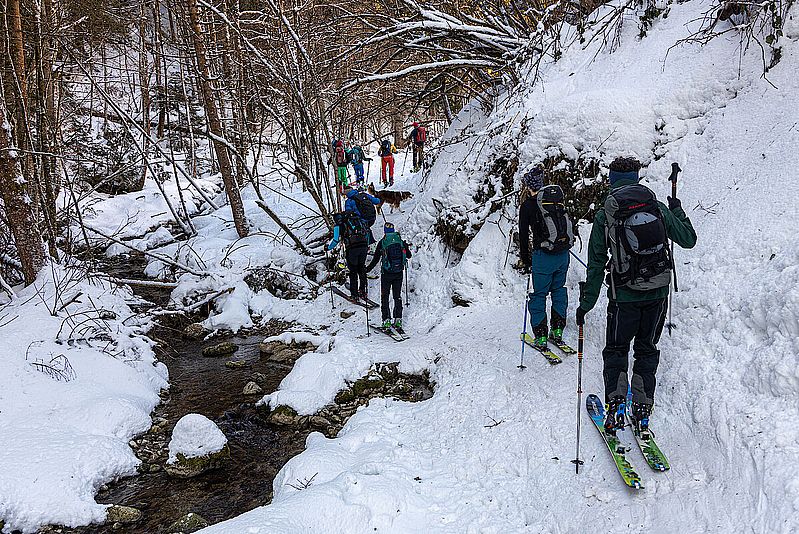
[(405, 159), (510, 240), (366, 307), (577, 462), (675, 170), (524, 325), (576, 257), (330, 275), (407, 302)]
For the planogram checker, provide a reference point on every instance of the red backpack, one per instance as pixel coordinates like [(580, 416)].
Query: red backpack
[(421, 134), (341, 156)]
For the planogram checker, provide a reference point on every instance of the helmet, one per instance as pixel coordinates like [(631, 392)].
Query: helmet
[(388, 228)]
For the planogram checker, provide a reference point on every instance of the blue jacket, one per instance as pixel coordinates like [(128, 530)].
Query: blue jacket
[(351, 205)]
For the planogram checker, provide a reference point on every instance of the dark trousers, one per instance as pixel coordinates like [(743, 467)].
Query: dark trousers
[(356, 263), (640, 323), (391, 283), (418, 155)]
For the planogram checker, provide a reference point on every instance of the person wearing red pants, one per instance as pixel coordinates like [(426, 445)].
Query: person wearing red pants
[(386, 153)]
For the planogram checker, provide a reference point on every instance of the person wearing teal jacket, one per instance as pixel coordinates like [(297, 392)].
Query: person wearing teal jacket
[(636, 316)]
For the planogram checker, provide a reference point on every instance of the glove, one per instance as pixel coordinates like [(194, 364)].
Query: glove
[(674, 203), (582, 290), (580, 317)]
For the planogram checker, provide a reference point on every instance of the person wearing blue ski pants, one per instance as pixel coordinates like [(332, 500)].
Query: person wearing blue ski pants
[(549, 278)]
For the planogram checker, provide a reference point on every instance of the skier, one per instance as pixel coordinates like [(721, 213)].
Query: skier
[(351, 229), (340, 159), (364, 205), (386, 153), (418, 137), (357, 157), (541, 210), (639, 281), (394, 253)]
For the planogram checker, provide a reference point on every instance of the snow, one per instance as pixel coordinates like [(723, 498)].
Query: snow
[(195, 435), (66, 433), (491, 451)]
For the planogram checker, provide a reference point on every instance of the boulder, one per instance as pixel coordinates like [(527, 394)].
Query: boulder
[(197, 445), (220, 349), (190, 522), (235, 364), (252, 389), (122, 514), (284, 415), (195, 331)]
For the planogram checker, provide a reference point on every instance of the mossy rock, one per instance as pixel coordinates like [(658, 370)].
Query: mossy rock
[(220, 349), (235, 364), (284, 415), (367, 384), (122, 514), (190, 522), (192, 467), (344, 396)]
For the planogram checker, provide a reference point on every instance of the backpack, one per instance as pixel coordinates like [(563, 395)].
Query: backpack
[(354, 230), (341, 156), (356, 155), (556, 232), (393, 253), (385, 149), (365, 208), (421, 134), (636, 236)]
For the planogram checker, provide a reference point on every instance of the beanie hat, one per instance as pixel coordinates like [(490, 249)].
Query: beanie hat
[(388, 228), (615, 176), (534, 178)]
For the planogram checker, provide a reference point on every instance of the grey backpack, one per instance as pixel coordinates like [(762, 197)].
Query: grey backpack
[(636, 236), (557, 234)]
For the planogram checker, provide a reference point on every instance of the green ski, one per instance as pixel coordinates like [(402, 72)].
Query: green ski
[(617, 449), (548, 354)]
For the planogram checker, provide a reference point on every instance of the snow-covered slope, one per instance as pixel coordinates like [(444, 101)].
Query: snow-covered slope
[(490, 451)]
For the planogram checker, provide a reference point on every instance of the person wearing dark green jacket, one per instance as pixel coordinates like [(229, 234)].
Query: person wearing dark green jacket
[(635, 316)]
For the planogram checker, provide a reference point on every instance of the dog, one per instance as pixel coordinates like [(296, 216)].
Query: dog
[(392, 198)]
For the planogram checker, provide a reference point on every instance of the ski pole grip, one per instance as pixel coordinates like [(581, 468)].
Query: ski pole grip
[(580, 339)]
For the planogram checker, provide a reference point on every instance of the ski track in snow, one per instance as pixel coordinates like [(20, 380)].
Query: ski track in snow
[(728, 379)]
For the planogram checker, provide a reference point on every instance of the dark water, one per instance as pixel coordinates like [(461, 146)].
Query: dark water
[(205, 385)]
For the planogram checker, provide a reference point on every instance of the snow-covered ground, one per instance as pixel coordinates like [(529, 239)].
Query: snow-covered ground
[(75, 386), (728, 380), (491, 451)]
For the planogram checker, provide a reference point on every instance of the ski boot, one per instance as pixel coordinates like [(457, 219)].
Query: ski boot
[(540, 343), (398, 326), (614, 418), (640, 416), (556, 335), (387, 324)]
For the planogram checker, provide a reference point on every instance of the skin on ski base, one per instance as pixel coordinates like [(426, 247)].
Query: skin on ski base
[(597, 412), (548, 354)]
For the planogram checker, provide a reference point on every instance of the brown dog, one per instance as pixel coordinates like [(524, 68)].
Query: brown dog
[(392, 198)]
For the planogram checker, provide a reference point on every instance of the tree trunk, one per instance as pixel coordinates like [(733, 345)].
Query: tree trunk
[(214, 124), (144, 87), (20, 210)]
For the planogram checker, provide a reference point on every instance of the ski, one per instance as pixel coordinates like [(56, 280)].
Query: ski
[(401, 332), (551, 357), (617, 449), (396, 336), (367, 304), (563, 347), (646, 442)]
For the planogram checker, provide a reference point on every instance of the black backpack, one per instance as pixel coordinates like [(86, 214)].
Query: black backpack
[(556, 232), (393, 253), (366, 208), (385, 149), (636, 236), (353, 229)]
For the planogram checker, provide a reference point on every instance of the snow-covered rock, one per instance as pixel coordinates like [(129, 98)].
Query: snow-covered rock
[(197, 445)]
